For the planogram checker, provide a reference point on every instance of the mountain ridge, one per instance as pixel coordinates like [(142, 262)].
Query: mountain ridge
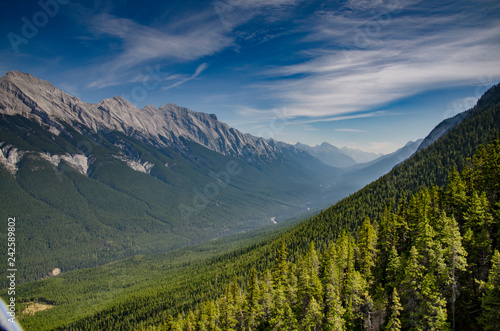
[(442, 128), (328, 154), (33, 98), (97, 168), (338, 157), (93, 174), (152, 306)]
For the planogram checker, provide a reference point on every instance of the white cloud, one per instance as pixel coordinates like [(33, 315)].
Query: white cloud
[(349, 130), (198, 71), (459, 105), (181, 40), (141, 44), (337, 118), (233, 13), (398, 61)]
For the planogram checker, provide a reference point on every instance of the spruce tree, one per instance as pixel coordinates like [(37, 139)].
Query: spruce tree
[(456, 260), (313, 317), (333, 306), (267, 296), (309, 283), (282, 316), (432, 314), (490, 318), (252, 303), (393, 269), (367, 249), (227, 311), (411, 285), (477, 239), (394, 323)]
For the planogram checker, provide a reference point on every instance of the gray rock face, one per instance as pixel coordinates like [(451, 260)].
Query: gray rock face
[(25, 95), (10, 156)]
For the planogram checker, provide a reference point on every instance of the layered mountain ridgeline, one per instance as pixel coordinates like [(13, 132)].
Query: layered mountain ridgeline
[(30, 97), (338, 157), (167, 286), (93, 183), (98, 182)]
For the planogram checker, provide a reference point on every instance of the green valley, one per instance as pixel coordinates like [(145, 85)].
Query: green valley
[(167, 286)]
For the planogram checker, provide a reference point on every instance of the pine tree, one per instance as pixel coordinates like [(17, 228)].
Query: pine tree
[(455, 256), (291, 290), (333, 309), (309, 283), (394, 323), (313, 316), (490, 318), (333, 306), (212, 314), (432, 314), (282, 316), (344, 259), (393, 269), (238, 303), (252, 304), (413, 274), (492, 169), (386, 239), (282, 264), (190, 322), (227, 311), (172, 325), (477, 239), (202, 319), (455, 196), (367, 249), (267, 296), (359, 299)]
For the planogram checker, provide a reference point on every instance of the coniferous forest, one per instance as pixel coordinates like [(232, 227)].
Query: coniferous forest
[(250, 165), (431, 264), (414, 250)]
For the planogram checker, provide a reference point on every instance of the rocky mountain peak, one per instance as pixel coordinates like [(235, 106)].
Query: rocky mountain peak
[(25, 95)]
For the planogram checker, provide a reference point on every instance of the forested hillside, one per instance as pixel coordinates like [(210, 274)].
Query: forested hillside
[(432, 265), (175, 290)]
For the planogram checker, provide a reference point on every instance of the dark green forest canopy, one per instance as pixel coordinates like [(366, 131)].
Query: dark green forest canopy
[(181, 289), (432, 265)]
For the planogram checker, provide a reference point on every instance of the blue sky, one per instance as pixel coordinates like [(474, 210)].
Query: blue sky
[(368, 74)]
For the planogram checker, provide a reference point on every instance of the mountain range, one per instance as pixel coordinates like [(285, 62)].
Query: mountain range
[(119, 180), (338, 157), (147, 290)]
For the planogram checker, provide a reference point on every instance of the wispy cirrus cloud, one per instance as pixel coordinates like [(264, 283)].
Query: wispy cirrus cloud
[(141, 44), (233, 13), (349, 130), (180, 40), (197, 72), (398, 57), (336, 118)]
